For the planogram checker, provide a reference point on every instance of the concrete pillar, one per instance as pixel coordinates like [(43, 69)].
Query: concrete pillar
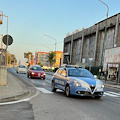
[(71, 49), (82, 46), (116, 30), (119, 74), (95, 46), (3, 73)]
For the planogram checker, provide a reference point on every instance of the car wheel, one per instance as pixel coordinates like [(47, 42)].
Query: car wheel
[(31, 76), (97, 97), (17, 71), (43, 78), (67, 91), (53, 87)]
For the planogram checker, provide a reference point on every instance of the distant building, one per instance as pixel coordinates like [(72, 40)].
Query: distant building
[(58, 58), (42, 57)]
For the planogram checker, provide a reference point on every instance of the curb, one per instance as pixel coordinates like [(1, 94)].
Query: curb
[(14, 97)]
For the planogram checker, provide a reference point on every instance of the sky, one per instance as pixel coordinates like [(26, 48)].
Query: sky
[(29, 20)]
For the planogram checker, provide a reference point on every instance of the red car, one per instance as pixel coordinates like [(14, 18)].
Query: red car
[(36, 71)]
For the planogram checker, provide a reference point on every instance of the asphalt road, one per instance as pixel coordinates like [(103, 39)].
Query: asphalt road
[(56, 106)]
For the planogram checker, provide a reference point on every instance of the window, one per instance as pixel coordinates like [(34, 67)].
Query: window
[(64, 72), (79, 73), (37, 68), (22, 66), (59, 71)]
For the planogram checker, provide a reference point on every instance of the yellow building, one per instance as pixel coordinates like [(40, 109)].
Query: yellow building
[(58, 57)]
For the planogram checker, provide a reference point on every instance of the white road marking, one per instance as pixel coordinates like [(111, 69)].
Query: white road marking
[(109, 94), (58, 90), (44, 90), (18, 101), (118, 94)]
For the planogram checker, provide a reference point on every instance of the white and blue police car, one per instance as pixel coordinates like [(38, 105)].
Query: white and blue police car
[(77, 81)]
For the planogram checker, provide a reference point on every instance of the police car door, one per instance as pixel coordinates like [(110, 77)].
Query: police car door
[(58, 78), (63, 79)]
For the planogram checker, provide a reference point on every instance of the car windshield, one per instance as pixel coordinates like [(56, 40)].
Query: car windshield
[(22, 66), (79, 73), (37, 68)]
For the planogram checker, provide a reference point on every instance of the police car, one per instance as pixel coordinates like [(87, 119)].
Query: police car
[(77, 81)]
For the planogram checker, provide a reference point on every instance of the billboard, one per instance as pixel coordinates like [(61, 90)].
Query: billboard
[(113, 56)]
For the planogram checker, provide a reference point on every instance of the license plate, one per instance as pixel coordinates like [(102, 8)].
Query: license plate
[(38, 74), (100, 89)]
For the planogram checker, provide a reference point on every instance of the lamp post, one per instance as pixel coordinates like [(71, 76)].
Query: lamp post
[(55, 45), (104, 36), (53, 39), (46, 47)]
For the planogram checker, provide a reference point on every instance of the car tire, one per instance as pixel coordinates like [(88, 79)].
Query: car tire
[(31, 76), (43, 78), (97, 97), (67, 91), (53, 87)]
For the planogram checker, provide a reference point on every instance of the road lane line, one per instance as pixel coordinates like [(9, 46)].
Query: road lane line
[(44, 90), (110, 94)]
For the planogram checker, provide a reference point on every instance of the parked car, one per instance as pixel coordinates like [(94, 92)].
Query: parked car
[(77, 81), (36, 71), (21, 69)]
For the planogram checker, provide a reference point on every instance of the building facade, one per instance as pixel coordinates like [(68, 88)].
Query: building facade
[(42, 57), (88, 43), (58, 58)]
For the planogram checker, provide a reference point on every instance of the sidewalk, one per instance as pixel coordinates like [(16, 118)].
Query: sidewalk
[(107, 83), (14, 89)]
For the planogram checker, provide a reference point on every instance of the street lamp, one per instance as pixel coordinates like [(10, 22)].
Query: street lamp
[(46, 47), (104, 35), (53, 39), (55, 45), (7, 35)]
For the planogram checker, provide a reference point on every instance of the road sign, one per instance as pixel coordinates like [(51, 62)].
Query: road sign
[(90, 59), (9, 38)]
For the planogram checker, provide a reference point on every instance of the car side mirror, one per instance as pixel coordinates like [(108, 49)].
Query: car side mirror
[(95, 76)]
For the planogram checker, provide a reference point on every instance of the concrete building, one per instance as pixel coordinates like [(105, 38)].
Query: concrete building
[(88, 43)]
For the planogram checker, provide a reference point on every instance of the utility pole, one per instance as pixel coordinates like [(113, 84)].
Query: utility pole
[(101, 63)]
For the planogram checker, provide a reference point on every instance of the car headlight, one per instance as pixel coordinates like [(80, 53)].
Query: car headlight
[(44, 74), (77, 83), (33, 73), (102, 86)]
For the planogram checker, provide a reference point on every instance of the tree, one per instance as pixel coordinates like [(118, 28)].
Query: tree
[(13, 59), (26, 55), (51, 57), (39, 63)]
